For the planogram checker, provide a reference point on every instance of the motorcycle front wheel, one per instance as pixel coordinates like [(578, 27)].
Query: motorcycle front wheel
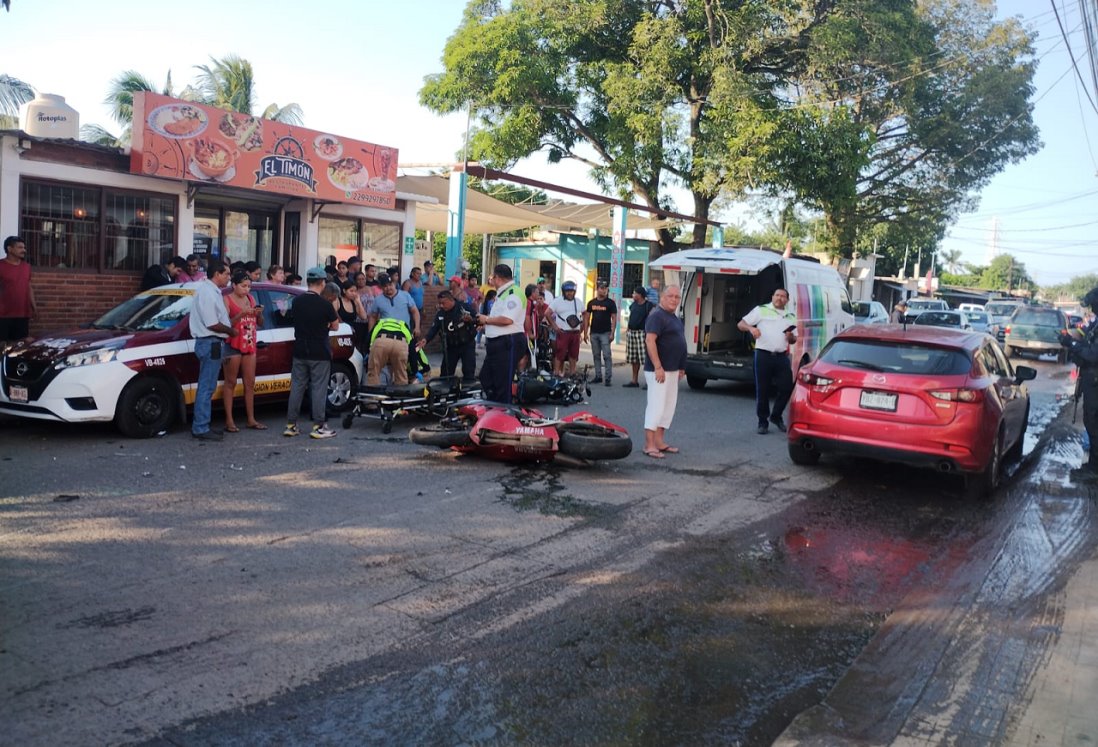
[(442, 436), (593, 442)]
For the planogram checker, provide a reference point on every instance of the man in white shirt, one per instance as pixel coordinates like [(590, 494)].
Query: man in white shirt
[(774, 328), (210, 327), (566, 318), (505, 340)]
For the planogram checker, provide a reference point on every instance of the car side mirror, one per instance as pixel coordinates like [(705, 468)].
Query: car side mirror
[(1024, 373)]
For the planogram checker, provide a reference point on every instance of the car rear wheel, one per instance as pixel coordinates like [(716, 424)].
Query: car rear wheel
[(802, 456), (696, 382), (341, 387), (1015, 452), (979, 486), (147, 407)]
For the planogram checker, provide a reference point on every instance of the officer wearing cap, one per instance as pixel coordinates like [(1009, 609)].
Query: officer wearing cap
[(1083, 351)]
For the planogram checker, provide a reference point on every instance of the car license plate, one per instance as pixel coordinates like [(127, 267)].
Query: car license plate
[(18, 394), (878, 401)]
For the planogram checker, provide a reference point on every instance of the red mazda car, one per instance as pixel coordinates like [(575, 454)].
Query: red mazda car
[(932, 397)]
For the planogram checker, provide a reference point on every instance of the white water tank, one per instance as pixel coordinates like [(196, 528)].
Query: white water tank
[(47, 115)]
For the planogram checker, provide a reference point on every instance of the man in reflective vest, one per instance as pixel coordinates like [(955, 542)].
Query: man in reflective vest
[(505, 340), (389, 347), (774, 328)]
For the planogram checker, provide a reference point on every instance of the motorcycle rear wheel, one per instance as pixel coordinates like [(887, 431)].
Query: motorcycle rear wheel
[(442, 436), (593, 442)]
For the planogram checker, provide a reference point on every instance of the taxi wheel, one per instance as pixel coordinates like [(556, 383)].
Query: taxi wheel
[(146, 408), (341, 388)]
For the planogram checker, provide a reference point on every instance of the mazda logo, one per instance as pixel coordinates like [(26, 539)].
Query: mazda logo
[(879, 378), (21, 369)]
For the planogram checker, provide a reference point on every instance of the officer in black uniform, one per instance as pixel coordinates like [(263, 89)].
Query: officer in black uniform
[(1084, 352), (459, 329)]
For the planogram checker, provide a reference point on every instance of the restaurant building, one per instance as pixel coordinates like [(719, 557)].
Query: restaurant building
[(196, 180)]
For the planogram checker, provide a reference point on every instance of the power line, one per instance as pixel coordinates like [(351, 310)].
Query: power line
[(1071, 54)]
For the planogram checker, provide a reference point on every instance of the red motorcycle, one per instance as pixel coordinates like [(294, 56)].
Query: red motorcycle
[(514, 433)]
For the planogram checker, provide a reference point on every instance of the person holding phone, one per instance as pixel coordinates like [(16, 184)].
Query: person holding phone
[(210, 327), (774, 329)]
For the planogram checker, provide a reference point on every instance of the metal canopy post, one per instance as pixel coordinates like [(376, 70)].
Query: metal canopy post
[(617, 261), (455, 226)]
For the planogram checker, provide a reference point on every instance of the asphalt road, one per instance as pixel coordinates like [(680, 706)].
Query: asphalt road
[(364, 590)]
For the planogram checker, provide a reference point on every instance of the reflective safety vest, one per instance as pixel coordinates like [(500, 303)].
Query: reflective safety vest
[(391, 326)]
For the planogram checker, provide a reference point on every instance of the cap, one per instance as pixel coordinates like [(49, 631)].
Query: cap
[(602, 284), (428, 262), (456, 279), (316, 273), (541, 280), (568, 286), (384, 278)]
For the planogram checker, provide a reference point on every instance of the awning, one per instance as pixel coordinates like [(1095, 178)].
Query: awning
[(485, 214)]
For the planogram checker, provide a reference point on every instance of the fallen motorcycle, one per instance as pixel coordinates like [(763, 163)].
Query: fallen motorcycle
[(514, 433)]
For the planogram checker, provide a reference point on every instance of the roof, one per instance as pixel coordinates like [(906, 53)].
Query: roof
[(746, 260), (926, 335), (486, 214)]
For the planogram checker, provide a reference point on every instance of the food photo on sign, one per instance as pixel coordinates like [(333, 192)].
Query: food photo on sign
[(183, 140)]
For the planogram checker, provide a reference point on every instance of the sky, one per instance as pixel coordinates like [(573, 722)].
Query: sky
[(356, 68)]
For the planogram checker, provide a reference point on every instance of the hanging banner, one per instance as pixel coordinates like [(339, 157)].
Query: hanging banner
[(183, 140)]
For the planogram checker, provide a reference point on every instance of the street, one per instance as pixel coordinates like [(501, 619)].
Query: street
[(364, 590)]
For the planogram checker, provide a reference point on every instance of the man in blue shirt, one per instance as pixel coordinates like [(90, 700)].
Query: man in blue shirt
[(389, 346), (210, 327)]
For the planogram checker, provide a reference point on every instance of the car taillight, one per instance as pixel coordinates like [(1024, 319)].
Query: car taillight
[(958, 395), (811, 379), (1006, 330)]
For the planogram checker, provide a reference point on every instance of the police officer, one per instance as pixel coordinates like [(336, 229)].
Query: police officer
[(505, 340), (773, 327), (458, 328), (1084, 352)]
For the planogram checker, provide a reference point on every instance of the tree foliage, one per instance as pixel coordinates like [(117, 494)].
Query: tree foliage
[(227, 83), (13, 94), (868, 111), (1008, 274), (1075, 288)]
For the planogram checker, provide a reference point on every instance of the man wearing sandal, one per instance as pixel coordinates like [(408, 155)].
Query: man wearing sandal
[(664, 366)]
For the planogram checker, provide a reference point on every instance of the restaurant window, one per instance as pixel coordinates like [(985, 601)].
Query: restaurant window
[(376, 243), (238, 232), (92, 228)]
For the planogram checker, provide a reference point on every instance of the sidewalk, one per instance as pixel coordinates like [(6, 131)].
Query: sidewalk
[(1003, 653)]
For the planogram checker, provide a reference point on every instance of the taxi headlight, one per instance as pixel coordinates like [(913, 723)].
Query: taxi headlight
[(89, 357)]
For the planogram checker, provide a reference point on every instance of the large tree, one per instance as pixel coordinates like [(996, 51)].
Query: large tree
[(938, 90), (866, 110)]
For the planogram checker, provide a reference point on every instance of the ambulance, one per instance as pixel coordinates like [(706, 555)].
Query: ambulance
[(720, 285)]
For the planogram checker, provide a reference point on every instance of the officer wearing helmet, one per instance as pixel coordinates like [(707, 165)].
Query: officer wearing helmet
[(1083, 351)]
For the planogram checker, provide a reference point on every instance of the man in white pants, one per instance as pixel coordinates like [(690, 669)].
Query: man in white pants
[(664, 366)]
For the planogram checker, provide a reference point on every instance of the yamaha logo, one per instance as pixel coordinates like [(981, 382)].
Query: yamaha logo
[(21, 369)]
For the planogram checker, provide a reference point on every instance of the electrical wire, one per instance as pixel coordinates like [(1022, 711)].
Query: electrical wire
[(1071, 54)]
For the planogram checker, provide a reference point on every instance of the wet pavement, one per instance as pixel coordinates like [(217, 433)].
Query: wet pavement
[(333, 594)]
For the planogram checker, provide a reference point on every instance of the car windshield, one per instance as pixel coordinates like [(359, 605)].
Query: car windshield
[(926, 304), (939, 319), (146, 312), (1037, 317), (862, 309), (1000, 309), (905, 358), (976, 317)]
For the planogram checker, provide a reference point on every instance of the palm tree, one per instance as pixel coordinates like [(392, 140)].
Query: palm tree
[(951, 260), (13, 94), (229, 83)]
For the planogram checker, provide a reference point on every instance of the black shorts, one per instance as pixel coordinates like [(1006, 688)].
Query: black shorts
[(14, 328)]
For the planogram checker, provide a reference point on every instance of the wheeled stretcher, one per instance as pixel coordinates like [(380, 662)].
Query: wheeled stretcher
[(387, 403)]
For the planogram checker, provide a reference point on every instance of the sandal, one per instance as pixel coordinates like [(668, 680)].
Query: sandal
[(231, 429), (670, 449), (654, 453), (257, 426)]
